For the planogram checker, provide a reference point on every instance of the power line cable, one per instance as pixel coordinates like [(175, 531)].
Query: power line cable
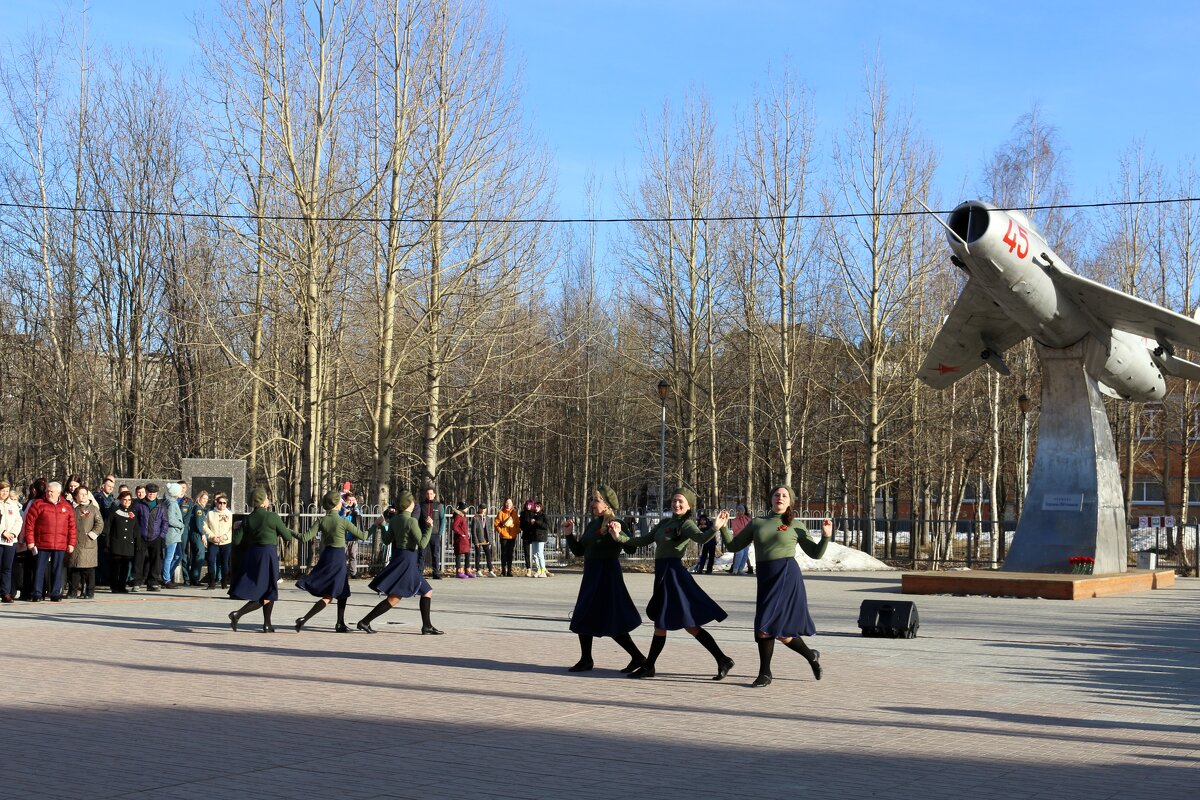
[(568, 220)]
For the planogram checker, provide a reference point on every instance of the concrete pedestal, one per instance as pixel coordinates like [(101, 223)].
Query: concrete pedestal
[(1074, 505)]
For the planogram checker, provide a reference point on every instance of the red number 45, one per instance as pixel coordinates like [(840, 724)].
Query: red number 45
[(1018, 241)]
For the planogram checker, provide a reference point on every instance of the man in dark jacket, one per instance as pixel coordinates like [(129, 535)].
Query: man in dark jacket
[(152, 522), (429, 515), (49, 531)]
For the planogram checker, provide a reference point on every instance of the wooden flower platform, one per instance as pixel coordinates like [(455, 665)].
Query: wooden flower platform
[(995, 583)]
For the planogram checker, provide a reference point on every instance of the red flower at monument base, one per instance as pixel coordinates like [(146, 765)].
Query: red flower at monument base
[(1082, 565)]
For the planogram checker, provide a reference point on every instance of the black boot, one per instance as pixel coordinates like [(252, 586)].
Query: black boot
[(636, 659), (585, 655), (657, 643), (382, 607), (724, 662), (341, 620), (766, 649), (234, 616), (812, 656), (317, 608), (267, 626), (426, 625)]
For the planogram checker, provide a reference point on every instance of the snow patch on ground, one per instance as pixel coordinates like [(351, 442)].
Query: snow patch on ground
[(837, 558)]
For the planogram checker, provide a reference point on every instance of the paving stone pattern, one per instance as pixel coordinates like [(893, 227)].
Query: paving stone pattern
[(153, 696)]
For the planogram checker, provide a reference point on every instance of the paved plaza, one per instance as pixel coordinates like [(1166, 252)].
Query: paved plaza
[(152, 696)]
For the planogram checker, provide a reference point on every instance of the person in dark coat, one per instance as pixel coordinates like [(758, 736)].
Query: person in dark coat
[(781, 611), (403, 577), (604, 607), (678, 601), (257, 579), (330, 578), (152, 517), (121, 533), (708, 550), (430, 516)]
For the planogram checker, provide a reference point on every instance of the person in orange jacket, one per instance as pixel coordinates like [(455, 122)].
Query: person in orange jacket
[(508, 527)]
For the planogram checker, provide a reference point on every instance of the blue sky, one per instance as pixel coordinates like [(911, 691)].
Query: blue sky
[(1106, 74)]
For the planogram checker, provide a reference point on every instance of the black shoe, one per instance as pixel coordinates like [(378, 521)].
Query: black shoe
[(300, 623), (210, 587), (815, 663), (268, 628), (365, 627), (153, 589), (634, 664), (341, 627), (723, 668), (90, 596), (761, 681), (644, 671), (583, 665), (55, 599), (436, 576), (429, 630), (170, 585), (37, 600), (233, 620), (224, 584)]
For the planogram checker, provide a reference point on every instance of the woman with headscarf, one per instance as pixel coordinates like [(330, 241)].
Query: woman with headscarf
[(604, 607), (678, 601), (403, 577), (257, 581), (330, 578), (781, 610)]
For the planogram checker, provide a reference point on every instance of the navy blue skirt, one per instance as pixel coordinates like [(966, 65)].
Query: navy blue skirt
[(330, 577), (401, 577), (678, 601), (782, 602), (258, 577), (604, 607)]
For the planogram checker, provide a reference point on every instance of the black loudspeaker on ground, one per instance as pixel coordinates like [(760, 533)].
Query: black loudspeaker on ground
[(895, 619)]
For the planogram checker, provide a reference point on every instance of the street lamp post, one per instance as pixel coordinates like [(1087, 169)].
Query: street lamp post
[(1024, 404), (664, 391)]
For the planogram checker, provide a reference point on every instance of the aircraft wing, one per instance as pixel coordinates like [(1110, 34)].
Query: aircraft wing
[(1125, 312), (974, 324)]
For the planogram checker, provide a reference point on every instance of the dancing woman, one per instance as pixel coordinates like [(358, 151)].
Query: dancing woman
[(257, 580), (782, 606), (678, 601), (603, 607), (402, 576), (331, 577)]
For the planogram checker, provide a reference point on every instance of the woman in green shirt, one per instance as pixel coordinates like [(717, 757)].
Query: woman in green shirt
[(257, 580), (782, 606), (330, 578), (604, 607), (678, 601)]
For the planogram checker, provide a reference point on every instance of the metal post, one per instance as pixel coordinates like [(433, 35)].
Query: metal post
[(662, 458), (664, 390)]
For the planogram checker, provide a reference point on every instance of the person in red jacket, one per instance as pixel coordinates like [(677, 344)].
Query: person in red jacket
[(50, 535)]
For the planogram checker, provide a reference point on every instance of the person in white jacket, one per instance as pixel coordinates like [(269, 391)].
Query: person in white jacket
[(218, 541), (10, 530)]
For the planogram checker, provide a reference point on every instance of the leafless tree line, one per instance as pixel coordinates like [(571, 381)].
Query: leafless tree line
[(333, 273)]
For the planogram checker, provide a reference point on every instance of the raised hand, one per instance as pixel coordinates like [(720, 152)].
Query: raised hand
[(722, 520), (827, 528)]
